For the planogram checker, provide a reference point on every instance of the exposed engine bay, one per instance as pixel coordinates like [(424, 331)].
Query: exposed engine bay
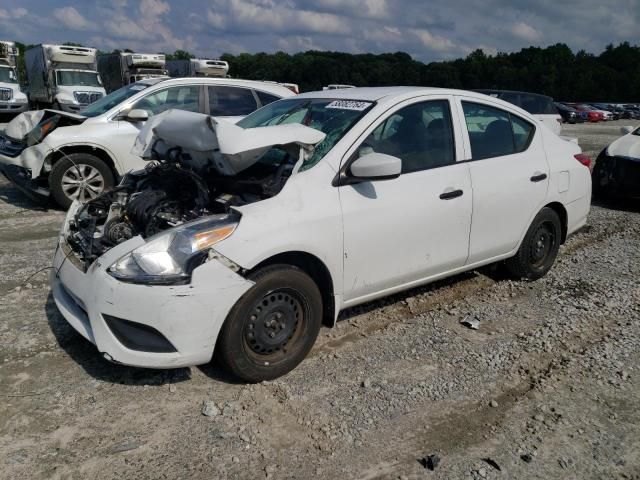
[(179, 186)]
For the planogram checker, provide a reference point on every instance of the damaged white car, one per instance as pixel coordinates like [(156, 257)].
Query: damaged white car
[(67, 156), (243, 240)]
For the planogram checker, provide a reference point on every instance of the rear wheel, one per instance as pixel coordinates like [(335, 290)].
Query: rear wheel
[(273, 326), (79, 176), (539, 249)]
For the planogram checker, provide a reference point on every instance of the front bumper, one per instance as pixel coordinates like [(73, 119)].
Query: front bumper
[(189, 317), (13, 108)]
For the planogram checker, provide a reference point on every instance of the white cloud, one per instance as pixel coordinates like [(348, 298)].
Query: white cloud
[(266, 16), (19, 12), (71, 18), (154, 8), (434, 42), (525, 31), (216, 20)]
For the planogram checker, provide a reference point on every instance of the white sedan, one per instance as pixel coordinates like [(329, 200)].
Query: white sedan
[(242, 240), (76, 157)]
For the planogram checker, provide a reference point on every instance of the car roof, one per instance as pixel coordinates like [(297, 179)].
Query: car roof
[(255, 84), (373, 94), (519, 92)]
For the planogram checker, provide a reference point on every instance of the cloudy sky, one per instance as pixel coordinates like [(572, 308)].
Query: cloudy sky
[(428, 30)]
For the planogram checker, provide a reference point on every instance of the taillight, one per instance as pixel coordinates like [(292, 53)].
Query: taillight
[(583, 159)]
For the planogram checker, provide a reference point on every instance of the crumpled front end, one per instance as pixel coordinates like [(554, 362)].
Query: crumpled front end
[(22, 143), (161, 327)]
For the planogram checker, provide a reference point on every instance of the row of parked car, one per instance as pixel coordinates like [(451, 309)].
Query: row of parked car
[(596, 112), (189, 234)]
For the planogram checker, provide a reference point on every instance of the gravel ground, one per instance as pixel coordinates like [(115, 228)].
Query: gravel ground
[(547, 387)]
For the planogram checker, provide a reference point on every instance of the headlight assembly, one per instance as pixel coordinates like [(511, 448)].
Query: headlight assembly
[(171, 256)]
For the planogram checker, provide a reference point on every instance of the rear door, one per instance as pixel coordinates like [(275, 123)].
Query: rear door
[(509, 176)]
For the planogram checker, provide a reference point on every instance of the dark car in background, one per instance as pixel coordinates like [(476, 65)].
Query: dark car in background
[(616, 173), (570, 114), (541, 106)]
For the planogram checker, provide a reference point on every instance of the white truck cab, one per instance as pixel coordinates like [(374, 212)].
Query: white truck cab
[(12, 100)]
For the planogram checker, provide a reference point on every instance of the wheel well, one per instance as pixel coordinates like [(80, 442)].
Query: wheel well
[(317, 270), (562, 213), (101, 154)]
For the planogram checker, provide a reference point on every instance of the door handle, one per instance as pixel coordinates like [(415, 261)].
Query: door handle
[(451, 194), (538, 177)]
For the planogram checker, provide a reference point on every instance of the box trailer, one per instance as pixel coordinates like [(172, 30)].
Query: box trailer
[(120, 69), (62, 77), (198, 67)]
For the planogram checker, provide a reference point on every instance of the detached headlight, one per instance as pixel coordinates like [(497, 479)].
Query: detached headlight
[(171, 256)]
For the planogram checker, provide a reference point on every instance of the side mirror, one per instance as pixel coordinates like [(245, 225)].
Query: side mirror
[(626, 130), (375, 166), (136, 115)]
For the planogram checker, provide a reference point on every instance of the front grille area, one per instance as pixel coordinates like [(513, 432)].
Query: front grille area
[(85, 98), (5, 94)]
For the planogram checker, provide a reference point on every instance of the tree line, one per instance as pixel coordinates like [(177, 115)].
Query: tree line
[(611, 76)]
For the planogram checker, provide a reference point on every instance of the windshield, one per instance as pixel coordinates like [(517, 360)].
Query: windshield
[(112, 100), (8, 75), (330, 116), (73, 78)]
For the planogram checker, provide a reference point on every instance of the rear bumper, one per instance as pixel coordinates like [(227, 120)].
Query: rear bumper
[(187, 317)]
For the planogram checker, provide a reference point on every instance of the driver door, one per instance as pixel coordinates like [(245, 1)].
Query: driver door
[(182, 97), (402, 231)]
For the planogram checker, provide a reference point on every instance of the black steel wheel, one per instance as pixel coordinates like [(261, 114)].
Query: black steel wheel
[(273, 326), (539, 249)]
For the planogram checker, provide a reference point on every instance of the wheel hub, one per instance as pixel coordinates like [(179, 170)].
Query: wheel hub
[(82, 182), (272, 323), (542, 245)]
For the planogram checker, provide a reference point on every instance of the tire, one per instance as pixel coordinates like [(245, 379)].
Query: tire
[(539, 249), (252, 344), (55, 106), (78, 167)]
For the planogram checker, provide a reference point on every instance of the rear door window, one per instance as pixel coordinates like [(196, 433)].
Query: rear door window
[(494, 132), (231, 101), (266, 98)]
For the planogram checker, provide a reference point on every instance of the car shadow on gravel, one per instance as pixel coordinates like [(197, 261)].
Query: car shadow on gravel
[(630, 205), (12, 195), (85, 354)]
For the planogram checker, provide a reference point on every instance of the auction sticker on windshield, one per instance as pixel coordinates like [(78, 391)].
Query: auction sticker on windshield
[(349, 105)]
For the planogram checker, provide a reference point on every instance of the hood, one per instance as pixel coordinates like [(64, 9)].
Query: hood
[(24, 123), (627, 146), (231, 148)]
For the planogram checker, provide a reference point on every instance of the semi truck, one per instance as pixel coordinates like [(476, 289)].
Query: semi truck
[(123, 68), (198, 67), (12, 100), (62, 77)]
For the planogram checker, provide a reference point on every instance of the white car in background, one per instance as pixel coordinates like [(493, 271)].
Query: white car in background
[(245, 238), (76, 157)]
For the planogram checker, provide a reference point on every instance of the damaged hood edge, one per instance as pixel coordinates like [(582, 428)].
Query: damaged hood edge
[(22, 124), (232, 148), (626, 146)]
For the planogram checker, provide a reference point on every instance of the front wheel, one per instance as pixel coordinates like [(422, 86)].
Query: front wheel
[(539, 249), (273, 326), (79, 176)]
